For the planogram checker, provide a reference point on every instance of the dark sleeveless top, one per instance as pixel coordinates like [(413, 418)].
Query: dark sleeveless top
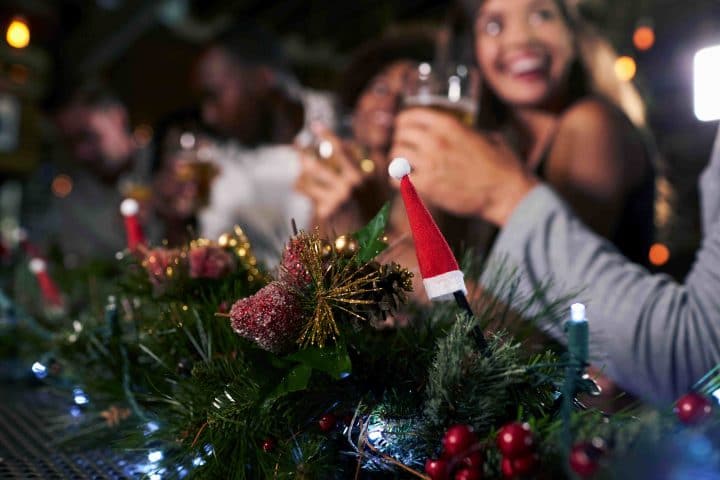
[(635, 229), (633, 235)]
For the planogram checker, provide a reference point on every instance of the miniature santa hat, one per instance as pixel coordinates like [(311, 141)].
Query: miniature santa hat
[(441, 275), (129, 208)]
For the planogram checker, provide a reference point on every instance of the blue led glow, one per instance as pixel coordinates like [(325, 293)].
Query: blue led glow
[(151, 427), (198, 461), (75, 412), (155, 456), (39, 370)]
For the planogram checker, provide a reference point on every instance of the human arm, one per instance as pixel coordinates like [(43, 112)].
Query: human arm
[(709, 188), (333, 182), (655, 337)]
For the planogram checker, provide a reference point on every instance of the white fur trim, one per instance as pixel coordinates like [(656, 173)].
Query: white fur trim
[(129, 207), (37, 265), (399, 168), (442, 287)]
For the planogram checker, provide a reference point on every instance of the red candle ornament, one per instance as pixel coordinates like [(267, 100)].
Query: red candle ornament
[(129, 208), (49, 290)]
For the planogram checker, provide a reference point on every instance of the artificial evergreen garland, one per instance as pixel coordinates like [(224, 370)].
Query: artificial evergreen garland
[(217, 370)]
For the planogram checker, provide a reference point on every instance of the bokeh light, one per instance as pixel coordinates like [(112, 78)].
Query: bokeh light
[(62, 186), (659, 254), (18, 33), (625, 68), (644, 38), (706, 77)]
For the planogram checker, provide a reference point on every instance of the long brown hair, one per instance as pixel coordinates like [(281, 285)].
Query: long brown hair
[(591, 73)]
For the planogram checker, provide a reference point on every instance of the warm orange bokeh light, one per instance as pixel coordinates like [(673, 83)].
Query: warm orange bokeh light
[(61, 186), (18, 34), (625, 68), (644, 38), (659, 254)]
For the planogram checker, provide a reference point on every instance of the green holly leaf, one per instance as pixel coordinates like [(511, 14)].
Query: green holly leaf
[(296, 379), (334, 360), (369, 238)]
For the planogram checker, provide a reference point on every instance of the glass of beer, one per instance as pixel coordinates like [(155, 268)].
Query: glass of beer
[(449, 89)]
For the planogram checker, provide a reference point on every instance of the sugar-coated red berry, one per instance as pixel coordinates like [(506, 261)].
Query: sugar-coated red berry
[(693, 408), (327, 422), (515, 440), (458, 439), (437, 469)]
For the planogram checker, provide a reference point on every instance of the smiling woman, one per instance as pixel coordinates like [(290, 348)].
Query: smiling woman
[(545, 112), (549, 89)]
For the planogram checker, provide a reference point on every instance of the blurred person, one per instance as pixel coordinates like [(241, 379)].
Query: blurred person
[(349, 186), (653, 336), (184, 170), (249, 97), (104, 165), (549, 94)]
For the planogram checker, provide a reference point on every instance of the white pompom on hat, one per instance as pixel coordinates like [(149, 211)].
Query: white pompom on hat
[(129, 207)]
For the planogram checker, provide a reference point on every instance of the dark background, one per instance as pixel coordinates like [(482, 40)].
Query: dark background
[(145, 50)]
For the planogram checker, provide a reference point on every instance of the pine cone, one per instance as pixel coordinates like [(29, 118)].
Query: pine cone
[(272, 318), (391, 286)]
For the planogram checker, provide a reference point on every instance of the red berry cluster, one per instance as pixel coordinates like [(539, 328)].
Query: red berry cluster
[(516, 443), (268, 445), (585, 457), (461, 459), (327, 422), (693, 408)]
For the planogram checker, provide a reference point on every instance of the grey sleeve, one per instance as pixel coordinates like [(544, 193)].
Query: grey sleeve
[(710, 189), (653, 336)]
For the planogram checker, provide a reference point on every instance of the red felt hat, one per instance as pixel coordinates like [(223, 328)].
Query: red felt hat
[(438, 267)]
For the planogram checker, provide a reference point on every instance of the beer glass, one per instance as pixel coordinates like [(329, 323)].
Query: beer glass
[(449, 89)]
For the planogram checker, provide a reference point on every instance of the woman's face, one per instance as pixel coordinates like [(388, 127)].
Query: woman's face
[(524, 49), (375, 110)]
